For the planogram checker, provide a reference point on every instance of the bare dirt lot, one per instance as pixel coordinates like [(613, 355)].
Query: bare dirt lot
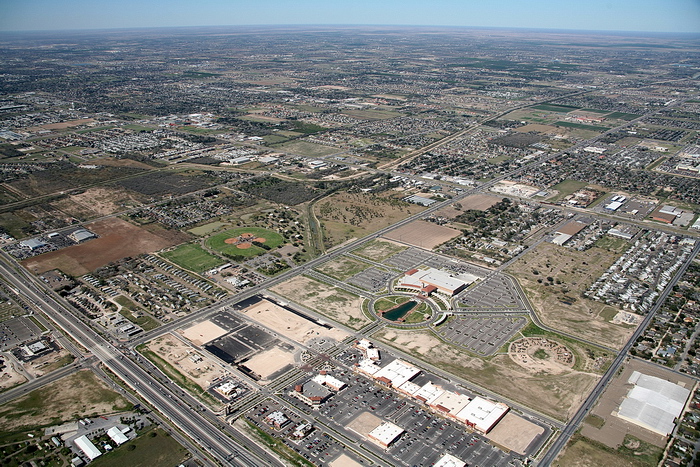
[(558, 395), (379, 250), (423, 234), (269, 362), (560, 305), (203, 332), (64, 125), (118, 239), (195, 365), (330, 301), (286, 323), (515, 433), (479, 202), (9, 377), (97, 201), (75, 396), (364, 423)]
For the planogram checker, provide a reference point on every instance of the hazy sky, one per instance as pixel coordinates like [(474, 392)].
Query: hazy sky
[(617, 15)]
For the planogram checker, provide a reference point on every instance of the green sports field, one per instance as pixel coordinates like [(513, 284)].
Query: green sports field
[(192, 257), (218, 242)]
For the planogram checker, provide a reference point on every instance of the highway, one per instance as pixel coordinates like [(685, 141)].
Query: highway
[(573, 424), (221, 447)]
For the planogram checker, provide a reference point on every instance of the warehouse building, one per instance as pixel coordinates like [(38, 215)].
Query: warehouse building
[(86, 447)]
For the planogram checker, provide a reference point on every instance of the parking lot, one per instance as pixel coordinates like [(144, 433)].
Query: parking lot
[(496, 292), (481, 335), (372, 279), (427, 436), (14, 331), (408, 259)]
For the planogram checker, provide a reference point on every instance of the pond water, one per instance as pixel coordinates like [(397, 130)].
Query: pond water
[(400, 311)]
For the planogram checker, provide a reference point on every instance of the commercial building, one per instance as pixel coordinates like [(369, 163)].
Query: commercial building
[(482, 414), (117, 436), (87, 448), (81, 235), (385, 434), (396, 373), (653, 403), (450, 403), (277, 419), (431, 279), (448, 460), (311, 393)]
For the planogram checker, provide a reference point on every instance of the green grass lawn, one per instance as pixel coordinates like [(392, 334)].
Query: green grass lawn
[(581, 126), (567, 187), (218, 242), (192, 257), (151, 448)]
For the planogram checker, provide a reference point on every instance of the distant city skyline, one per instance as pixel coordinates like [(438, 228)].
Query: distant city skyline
[(594, 15)]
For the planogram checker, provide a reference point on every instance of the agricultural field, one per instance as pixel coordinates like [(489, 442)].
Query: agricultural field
[(345, 216), (423, 234), (192, 257), (553, 279), (78, 395), (245, 241), (327, 300)]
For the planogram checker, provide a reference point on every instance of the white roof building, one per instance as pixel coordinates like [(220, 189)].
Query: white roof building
[(441, 280), (328, 380), (409, 388), (117, 436), (482, 414), (448, 460), (385, 434), (396, 373), (429, 392), (450, 402), (367, 367), (653, 403), (86, 446)]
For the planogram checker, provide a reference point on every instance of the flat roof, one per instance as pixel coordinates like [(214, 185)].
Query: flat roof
[(386, 433), (453, 402), (483, 413), (572, 228), (448, 460), (429, 392), (398, 372)]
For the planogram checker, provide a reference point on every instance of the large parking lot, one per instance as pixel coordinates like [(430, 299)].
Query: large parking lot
[(495, 293), (481, 335), (427, 436)]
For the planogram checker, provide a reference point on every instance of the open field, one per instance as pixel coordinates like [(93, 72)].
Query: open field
[(289, 325), (193, 257), (117, 239), (98, 201), (583, 452), (269, 362), (239, 241), (202, 333), (373, 114), (560, 305), (78, 395), (153, 448), (343, 267), (515, 433), (304, 148), (337, 304), (479, 202), (196, 366), (557, 395), (206, 229), (379, 250), (566, 188), (423, 234), (345, 216)]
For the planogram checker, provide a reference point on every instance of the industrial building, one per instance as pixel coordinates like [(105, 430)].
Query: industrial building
[(86, 447), (117, 436), (653, 403), (81, 235)]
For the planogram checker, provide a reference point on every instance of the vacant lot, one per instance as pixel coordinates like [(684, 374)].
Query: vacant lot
[(423, 234), (379, 250), (553, 278), (98, 201), (343, 268), (583, 452), (153, 448), (193, 257), (304, 148), (345, 216), (557, 395), (78, 395), (479, 202), (335, 303), (118, 239)]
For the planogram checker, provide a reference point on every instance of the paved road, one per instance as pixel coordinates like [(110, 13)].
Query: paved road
[(215, 442), (573, 424)]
